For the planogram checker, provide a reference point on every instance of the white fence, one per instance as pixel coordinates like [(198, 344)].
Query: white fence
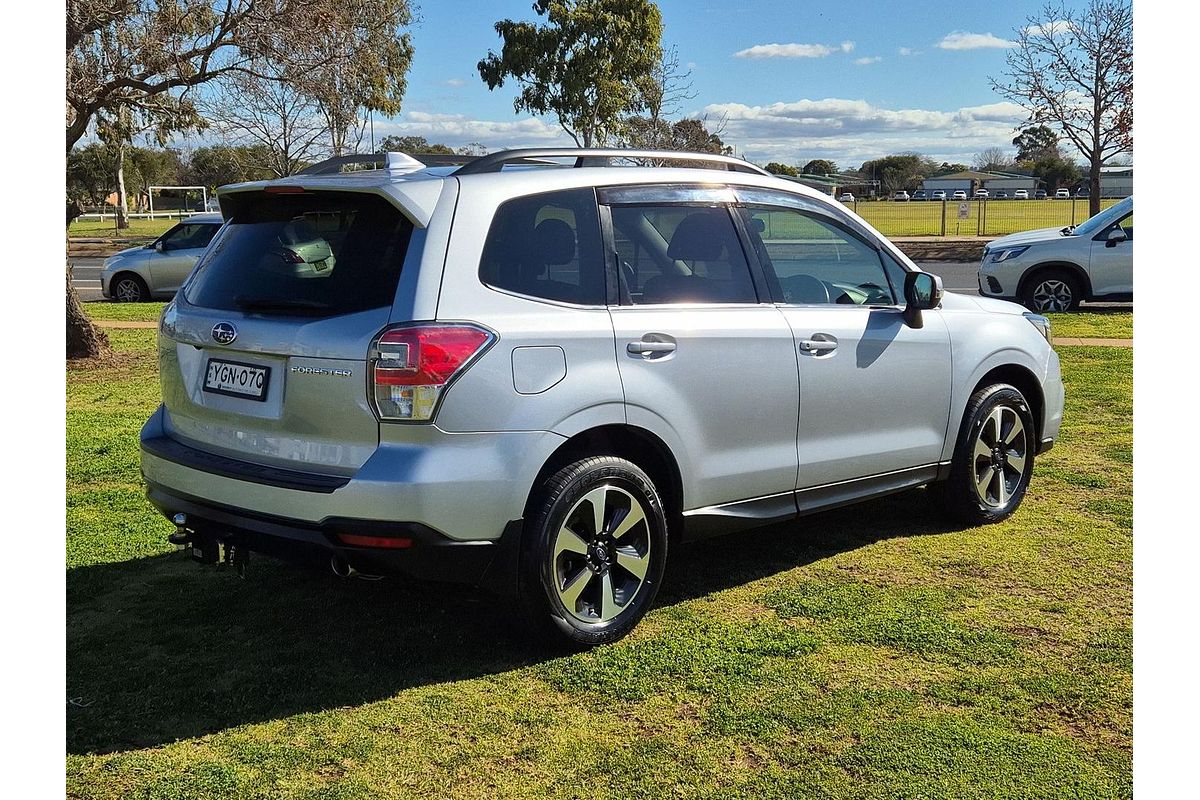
[(175, 214)]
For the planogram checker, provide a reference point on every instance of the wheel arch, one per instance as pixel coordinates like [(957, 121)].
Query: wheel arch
[(1070, 266), (1025, 382), (632, 443), (117, 276)]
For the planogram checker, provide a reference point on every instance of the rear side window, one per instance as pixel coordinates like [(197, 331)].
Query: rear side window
[(316, 253), (680, 254), (547, 246)]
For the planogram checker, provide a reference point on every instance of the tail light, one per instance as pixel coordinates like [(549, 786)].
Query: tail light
[(412, 365)]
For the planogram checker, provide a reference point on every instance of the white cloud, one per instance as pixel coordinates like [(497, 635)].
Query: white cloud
[(1049, 28), (457, 129), (454, 82), (847, 46), (963, 40), (851, 131), (907, 51), (787, 50), (862, 62)]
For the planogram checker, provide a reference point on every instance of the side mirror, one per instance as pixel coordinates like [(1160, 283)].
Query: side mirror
[(922, 292), (1115, 237), (159, 246)]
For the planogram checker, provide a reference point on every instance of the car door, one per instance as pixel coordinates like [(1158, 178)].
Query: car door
[(176, 252), (706, 361), (874, 391), (1111, 262)]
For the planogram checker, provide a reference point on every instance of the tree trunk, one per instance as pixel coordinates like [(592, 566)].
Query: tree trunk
[(84, 339), (1094, 188), (122, 203)]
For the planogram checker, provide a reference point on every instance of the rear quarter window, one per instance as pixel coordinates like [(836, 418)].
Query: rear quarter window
[(316, 253)]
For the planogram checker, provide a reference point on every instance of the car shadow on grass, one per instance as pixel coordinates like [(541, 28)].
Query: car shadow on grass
[(161, 649)]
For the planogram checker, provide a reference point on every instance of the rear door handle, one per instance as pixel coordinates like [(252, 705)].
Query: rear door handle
[(639, 347), (818, 345)]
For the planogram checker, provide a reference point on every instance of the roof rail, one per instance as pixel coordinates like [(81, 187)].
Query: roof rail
[(396, 162), (600, 157)]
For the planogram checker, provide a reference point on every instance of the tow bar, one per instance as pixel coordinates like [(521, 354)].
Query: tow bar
[(208, 549)]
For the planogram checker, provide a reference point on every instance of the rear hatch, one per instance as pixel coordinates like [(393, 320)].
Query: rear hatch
[(263, 354)]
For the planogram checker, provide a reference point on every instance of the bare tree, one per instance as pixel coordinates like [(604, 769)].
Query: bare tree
[(286, 125), (993, 159), (1073, 69)]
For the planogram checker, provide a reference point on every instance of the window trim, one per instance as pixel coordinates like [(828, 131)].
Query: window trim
[(701, 199)]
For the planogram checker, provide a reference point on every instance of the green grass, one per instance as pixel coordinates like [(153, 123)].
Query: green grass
[(125, 312), (1100, 325), (994, 218), (870, 652), (138, 228)]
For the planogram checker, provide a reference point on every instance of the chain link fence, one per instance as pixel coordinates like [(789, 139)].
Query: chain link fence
[(976, 217)]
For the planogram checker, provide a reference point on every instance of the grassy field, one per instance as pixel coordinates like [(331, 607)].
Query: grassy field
[(138, 228), (125, 312), (871, 652), (1094, 324), (993, 218)]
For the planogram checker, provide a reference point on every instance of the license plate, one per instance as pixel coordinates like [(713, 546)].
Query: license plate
[(236, 379)]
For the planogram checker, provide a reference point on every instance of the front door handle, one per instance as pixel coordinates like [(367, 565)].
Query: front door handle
[(818, 345), (641, 347)]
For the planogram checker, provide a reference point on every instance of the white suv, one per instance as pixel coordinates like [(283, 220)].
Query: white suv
[(539, 377), (1053, 269)]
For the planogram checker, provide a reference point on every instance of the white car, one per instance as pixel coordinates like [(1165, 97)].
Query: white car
[(900, 196), (959, 194), (846, 197), (1062, 194), (1053, 269), (939, 194), (982, 194), (1021, 194)]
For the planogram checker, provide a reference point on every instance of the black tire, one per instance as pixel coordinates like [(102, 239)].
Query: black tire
[(1052, 290), (127, 287), (547, 577), (961, 495)]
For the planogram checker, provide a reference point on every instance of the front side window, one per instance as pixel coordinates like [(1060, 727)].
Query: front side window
[(680, 254), (815, 261), (547, 246), (188, 236)]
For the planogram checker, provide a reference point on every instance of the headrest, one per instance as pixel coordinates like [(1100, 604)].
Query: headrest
[(700, 236), (553, 242)]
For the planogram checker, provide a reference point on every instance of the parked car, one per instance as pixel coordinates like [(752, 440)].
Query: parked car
[(1040, 194), (141, 273), (959, 194), (981, 194), (1053, 269), (900, 196), (445, 402), (1021, 194), (1083, 193), (846, 197), (919, 194), (1001, 195), (1062, 194), (939, 194)]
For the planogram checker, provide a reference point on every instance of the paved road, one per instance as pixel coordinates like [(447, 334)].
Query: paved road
[(86, 274)]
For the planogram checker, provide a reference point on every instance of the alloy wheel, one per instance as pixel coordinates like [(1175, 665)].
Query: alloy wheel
[(601, 554), (998, 459), (128, 291), (1052, 295)]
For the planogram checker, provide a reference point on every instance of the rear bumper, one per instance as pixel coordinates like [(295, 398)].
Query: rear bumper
[(429, 556)]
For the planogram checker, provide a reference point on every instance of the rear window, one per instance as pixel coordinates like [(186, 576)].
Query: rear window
[(312, 254)]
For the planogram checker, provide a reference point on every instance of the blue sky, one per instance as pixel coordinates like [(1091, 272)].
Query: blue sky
[(847, 81)]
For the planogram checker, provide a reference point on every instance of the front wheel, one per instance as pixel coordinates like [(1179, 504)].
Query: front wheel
[(594, 551), (129, 288), (993, 458), (1052, 290)]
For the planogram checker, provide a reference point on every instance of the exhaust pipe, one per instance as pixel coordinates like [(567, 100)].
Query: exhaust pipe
[(341, 568)]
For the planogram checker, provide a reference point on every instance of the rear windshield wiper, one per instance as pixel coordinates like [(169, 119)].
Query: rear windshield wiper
[(279, 304)]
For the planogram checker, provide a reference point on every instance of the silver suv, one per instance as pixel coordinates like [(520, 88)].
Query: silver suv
[(537, 377)]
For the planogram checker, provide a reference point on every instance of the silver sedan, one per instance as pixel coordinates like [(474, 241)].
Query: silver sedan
[(158, 269)]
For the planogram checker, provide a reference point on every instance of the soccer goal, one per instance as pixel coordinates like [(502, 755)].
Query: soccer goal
[(177, 199)]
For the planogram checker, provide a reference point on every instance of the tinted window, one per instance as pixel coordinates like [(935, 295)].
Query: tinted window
[(189, 235), (815, 261), (547, 246), (319, 253), (680, 254)]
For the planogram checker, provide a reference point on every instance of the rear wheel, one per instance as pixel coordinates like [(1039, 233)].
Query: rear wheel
[(594, 551), (1052, 290), (129, 288), (993, 458)]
